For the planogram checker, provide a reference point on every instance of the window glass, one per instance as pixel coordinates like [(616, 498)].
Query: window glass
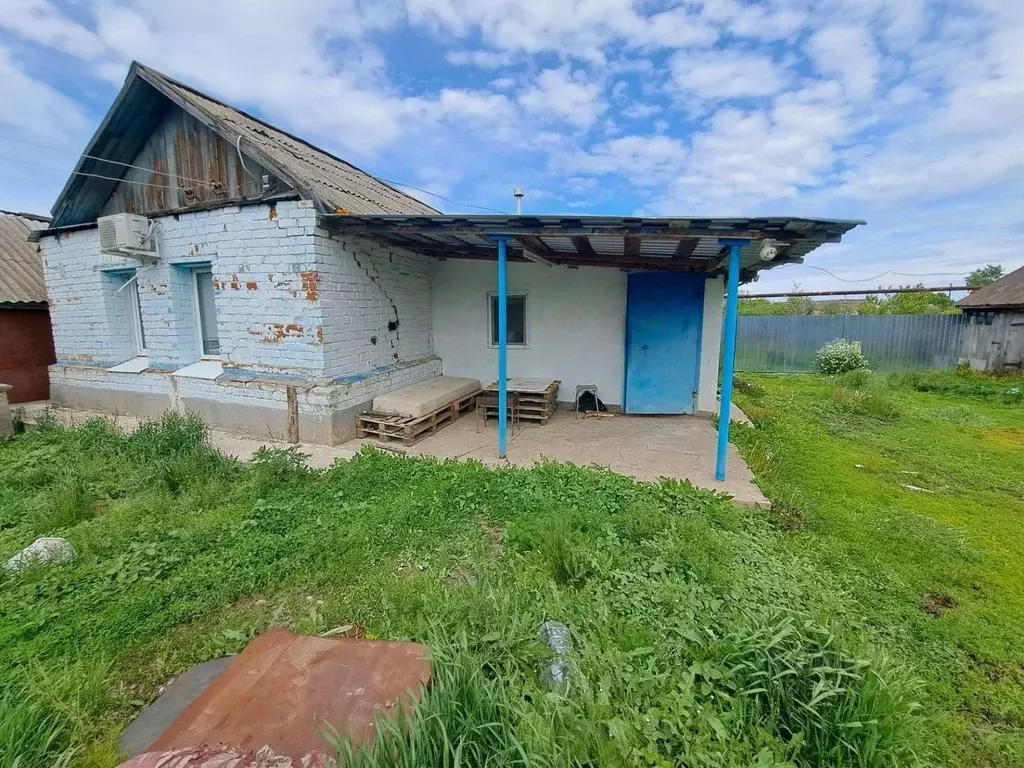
[(516, 325), (207, 312), (136, 326)]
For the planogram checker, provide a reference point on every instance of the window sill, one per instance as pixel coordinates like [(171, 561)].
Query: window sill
[(204, 369), (135, 365)]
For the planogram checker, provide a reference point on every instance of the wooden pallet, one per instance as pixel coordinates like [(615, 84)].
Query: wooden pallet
[(410, 430), (533, 406)]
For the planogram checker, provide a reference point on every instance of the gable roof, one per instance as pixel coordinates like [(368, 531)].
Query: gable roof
[(145, 97), (21, 266), (1007, 291)]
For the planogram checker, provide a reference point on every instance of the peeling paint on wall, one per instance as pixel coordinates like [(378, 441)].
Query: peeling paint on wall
[(311, 285), (278, 332)]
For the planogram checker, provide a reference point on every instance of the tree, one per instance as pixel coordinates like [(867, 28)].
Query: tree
[(916, 303), (986, 275)]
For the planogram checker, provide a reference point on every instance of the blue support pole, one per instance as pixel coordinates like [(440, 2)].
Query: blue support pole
[(502, 345), (732, 304)]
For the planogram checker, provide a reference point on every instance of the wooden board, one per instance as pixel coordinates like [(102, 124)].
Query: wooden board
[(411, 430), (533, 406)]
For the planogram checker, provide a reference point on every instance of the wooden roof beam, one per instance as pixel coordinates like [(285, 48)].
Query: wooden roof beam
[(538, 248), (583, 247)]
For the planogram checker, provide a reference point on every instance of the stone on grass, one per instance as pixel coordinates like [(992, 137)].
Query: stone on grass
[(45, 551)]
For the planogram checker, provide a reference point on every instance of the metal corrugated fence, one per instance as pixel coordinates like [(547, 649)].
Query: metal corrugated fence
[(892, 343)]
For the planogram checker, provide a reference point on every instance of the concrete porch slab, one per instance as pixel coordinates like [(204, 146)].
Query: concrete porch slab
[(644, 447)]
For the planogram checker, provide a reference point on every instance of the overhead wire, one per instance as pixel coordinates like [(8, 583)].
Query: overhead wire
[(105, 160), (208, 183), (883, 274), (92, 175), (441, 197)]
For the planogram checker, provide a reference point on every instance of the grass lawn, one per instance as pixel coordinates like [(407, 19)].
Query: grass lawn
[(703, 635), (910, 491)]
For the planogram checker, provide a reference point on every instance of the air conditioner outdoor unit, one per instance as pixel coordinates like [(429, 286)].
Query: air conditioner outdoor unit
[(125, 234)]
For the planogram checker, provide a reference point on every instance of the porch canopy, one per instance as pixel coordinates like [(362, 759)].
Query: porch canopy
[(738, 248), (625, 242)]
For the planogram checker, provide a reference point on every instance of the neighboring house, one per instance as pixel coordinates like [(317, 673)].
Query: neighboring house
[(26, 342), (289, 288), (993, 339)]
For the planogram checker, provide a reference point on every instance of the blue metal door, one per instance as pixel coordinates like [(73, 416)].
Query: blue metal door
[(663, 323)]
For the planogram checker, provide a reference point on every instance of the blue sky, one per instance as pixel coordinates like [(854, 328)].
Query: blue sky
[(906, 113)]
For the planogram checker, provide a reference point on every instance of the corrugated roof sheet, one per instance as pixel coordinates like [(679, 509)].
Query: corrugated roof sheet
[(1007, 291), (21, 266), (661, 243), (314, 173), (332, 181)]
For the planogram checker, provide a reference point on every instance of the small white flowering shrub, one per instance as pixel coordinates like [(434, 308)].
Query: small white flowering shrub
[(840, 356)]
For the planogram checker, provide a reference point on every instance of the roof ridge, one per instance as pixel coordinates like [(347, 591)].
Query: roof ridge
[(23, 215), (1011, 282), (137, 65)]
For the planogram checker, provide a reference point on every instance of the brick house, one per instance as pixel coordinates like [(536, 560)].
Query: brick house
[(289, 288), (253, 315), (26, 342)]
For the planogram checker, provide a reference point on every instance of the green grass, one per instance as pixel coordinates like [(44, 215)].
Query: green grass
[(700, 637), (909, 490)]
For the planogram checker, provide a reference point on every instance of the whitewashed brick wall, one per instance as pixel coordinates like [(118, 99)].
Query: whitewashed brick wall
[(293, 304), (377, 306), (263, 262)]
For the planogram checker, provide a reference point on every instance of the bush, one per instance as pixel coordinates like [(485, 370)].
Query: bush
[(840, 356)]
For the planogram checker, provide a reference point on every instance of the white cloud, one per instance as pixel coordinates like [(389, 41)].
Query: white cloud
[(574, 29), (969, 142), (639, 111), (462, 104), (39, 21), (644, 160), (34, 109), (563, 95), (770, 20), (850, 54), (479, 58), (745, 158), (723, 75)]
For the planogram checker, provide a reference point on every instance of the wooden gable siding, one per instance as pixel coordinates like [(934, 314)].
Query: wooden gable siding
[(184, 163)]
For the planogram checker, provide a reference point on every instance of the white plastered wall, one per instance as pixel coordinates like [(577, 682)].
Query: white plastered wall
[(576, 324)]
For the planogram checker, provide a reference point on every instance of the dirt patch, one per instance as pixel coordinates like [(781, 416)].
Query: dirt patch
[(938, 605), (496, 536), (1009, 437)]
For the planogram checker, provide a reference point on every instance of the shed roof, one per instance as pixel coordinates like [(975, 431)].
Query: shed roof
[(21, 266), (1007, 291), (317, 174), (667, 244)]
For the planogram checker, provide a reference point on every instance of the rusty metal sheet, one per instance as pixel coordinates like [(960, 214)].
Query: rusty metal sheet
[(284, 688)]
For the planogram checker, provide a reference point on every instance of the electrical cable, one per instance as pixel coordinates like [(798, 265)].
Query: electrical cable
[(238, 148), (92, 175), (883, 274), (105, 160), (441, 197)]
